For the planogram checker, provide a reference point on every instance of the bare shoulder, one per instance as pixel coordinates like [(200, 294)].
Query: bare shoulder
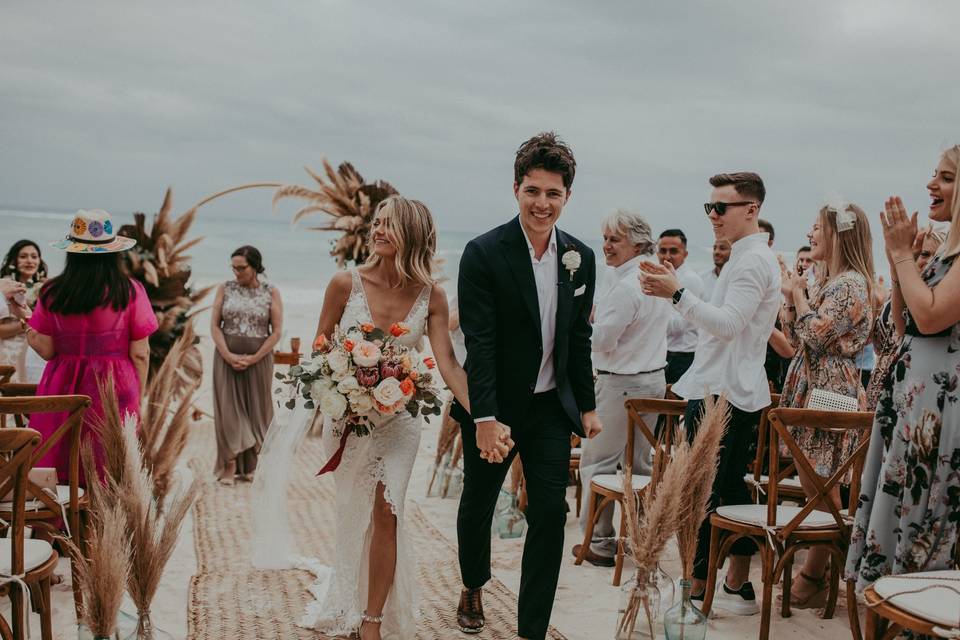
[(340, 285), (438, 298)]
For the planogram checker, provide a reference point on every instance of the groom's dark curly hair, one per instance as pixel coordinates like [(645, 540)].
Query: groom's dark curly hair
[(548, 152)]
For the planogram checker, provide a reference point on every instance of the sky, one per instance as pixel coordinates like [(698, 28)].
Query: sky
[(105, 104)]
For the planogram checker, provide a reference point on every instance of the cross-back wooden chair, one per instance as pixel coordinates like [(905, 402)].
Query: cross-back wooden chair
[(68, 503), (6, 373), (576, 451), (789, 485), (780, 531), (16, 390), (26, 566), (886, 620), (607, 489)]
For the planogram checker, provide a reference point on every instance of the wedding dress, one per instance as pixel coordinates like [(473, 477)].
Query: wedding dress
[(385, 456)]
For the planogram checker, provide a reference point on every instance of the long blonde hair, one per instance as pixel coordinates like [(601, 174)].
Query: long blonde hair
[(850, 250), (410, 223), (951, 246)]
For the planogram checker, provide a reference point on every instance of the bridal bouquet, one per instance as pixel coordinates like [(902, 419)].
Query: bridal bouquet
[(363, 374)]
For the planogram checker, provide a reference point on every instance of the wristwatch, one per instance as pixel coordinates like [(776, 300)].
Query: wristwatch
[(677, 294)]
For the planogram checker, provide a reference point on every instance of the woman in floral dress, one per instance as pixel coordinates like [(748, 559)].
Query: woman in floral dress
[(830, 331), (909, 510)]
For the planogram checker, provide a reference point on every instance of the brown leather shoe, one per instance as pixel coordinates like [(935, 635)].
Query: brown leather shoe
[(594, 558), (470, 612)]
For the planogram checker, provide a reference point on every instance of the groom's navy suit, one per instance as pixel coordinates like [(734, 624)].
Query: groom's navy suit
[(500, 318)]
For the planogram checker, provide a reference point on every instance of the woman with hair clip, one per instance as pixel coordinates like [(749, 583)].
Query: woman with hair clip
[(909, 509), (246, 323), (830, 331), (23, 264), (370, 589)]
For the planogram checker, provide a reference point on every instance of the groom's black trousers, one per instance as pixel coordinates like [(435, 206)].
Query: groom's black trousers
[(543, 443)]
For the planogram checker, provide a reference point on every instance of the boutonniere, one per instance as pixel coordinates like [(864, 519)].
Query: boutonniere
[(571, 260)]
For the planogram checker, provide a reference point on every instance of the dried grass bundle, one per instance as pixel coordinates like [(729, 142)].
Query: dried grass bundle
[(447, 436), (700, 473), (109, 429)]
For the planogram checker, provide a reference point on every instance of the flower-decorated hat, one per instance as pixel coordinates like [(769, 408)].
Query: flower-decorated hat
[(93, 232)]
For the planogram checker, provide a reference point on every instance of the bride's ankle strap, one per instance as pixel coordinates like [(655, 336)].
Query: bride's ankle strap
[(366, 617)]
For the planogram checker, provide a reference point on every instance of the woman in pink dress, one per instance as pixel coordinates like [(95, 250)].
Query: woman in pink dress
[(91, 322)]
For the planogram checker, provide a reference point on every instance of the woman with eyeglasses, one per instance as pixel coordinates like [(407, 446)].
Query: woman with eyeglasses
[(246, 323), (830, 330)]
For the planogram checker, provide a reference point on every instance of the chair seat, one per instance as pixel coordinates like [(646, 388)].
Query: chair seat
[(35, 553), (613, 482), (793, 482), (63, 497), (756, 514), (936, 605)]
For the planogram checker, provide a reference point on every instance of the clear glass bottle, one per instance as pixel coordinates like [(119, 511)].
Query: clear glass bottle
[(684, 620), (84, 633), (645, 600), (511, 522)]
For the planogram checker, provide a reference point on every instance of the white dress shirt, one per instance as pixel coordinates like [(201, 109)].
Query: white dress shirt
[(734, 328), (630, 328), (709, 279), (682, 334)]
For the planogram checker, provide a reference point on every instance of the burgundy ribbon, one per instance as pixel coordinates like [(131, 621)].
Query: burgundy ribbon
[(334, 461)]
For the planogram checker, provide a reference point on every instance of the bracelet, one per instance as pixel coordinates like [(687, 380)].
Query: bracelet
[(896, 262)]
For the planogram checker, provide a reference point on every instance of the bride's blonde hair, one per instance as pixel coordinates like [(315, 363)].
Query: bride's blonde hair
[(410, 223)]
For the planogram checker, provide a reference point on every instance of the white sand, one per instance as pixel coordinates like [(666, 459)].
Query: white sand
[(586, 603)]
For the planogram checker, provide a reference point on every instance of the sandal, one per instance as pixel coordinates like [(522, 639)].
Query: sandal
[(817, 599), (370, 619)]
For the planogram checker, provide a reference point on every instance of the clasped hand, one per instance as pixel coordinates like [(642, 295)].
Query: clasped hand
[(494, 441), (658, 280)]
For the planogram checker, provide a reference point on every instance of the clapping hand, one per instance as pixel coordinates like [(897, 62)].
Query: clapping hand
[(9, 289), (899, 230), (658, 280), (790, 280), (494, 441)]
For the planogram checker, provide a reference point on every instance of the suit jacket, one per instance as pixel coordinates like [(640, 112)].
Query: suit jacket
[(500, 318)]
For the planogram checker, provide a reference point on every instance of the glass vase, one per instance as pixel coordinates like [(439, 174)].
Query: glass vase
[(683, 620), (454, 483), (639, 608), (146, 630), (511, 522), (84, 633)]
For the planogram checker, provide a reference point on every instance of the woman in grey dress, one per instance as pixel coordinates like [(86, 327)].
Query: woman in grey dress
[(246, 324), (909, 509)]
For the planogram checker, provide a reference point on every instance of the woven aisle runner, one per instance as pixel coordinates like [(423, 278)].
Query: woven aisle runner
[(230, 599)]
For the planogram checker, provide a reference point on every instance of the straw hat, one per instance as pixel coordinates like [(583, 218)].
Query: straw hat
[(93, 232)]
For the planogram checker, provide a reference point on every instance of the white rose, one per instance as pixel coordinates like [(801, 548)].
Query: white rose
[(571, 260), (339, 360), (361, 403), (348, 385), (388, 392), (319, 387), (333, 405), (366, 354)]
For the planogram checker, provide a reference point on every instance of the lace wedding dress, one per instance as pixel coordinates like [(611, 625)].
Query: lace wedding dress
[(385, 456)]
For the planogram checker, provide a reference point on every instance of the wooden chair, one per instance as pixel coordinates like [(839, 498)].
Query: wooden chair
[(576, 450), (789, 485), (607, 489), (886, 621), (69, 503), (780, 531), (24, 564), (6, 373), (16, 390)]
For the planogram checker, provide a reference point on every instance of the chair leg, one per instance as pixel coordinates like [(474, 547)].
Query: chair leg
[(787, 587), (712, 566), (5, 632), (17, 611), (46, 611), (769, 559), (835, 567), (621, 533), (579, 492), (592, 501), (852, 613)]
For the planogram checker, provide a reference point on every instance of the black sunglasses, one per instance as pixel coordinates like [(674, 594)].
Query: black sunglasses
[(721, 207)]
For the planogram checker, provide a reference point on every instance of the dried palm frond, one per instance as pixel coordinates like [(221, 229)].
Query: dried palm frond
[(160, 262), (700, 474), (345, 197), (109, 430)]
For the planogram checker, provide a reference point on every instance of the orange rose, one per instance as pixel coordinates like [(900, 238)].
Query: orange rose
[(407, 387), (430, 362), (366, 327), (320, 344), (414, 375), (349, 344), (398, 329)]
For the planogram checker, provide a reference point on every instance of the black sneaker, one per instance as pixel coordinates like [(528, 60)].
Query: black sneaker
[(742, 602)]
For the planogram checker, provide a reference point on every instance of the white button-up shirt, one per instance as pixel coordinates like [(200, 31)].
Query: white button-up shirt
[(545, 275), (734, 328), (709, 279), (682, 334), (630, 328)]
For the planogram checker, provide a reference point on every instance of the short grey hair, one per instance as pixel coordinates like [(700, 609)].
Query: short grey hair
[(633, 226)]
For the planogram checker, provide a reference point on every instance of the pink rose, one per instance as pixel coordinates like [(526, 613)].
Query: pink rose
[(366, 354)]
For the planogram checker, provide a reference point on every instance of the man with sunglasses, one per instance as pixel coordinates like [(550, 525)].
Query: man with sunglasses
[(734, 326)]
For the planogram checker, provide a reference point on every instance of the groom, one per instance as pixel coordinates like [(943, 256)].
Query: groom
[(525, 293)]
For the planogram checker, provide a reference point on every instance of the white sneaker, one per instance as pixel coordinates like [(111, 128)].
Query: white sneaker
[(742, 602)]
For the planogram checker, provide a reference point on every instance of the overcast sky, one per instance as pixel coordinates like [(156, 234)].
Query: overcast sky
[(104, 104)]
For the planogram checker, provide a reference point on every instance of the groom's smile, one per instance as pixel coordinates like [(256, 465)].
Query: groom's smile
[(541, 196)]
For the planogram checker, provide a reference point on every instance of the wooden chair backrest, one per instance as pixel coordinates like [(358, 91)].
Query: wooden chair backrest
[(16, 390), (763, 434), (75, 407), (840, 422), (16, 452), (6, 373), (671, 410)]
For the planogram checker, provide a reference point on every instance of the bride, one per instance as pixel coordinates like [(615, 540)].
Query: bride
[(370, 588)]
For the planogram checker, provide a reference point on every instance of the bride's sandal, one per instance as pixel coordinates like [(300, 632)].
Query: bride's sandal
[(368, 619), (815, 600)]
